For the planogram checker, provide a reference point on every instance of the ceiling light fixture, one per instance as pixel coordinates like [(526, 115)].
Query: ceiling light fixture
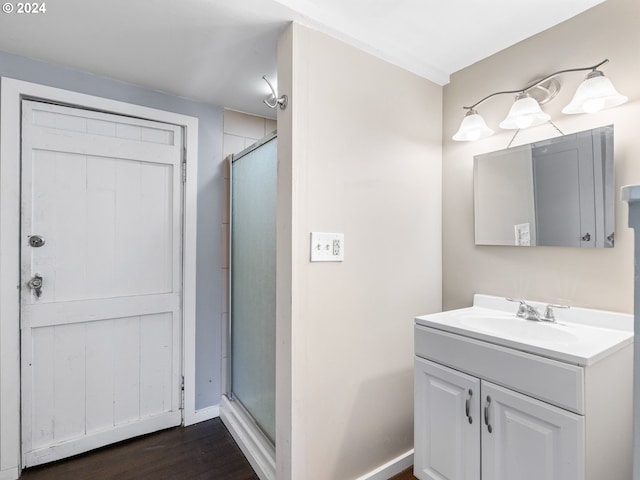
[(595, 93)]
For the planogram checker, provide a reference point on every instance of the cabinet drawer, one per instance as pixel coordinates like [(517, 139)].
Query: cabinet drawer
[(558, 383)]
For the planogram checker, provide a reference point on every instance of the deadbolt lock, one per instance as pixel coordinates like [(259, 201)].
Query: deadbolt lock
[(36, 241)]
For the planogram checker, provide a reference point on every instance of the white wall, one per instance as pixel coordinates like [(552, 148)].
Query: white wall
[(359, 153), (597, 278), (241, 130)]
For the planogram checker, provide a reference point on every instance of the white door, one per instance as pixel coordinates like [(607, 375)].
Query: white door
[(447, 423), (100, 340), (525, 439)]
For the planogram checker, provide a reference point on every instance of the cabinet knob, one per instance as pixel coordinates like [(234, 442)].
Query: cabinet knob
[(467, 406)]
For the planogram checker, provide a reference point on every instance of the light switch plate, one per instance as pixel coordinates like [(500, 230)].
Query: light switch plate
[(523, 234), (327, 247)]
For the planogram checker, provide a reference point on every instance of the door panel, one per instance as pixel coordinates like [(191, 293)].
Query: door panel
[(563, 175), (101, 345), (529, 439), (94, 234), (447, 446)]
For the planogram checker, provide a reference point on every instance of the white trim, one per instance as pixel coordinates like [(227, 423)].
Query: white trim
[(391, 468), (9, 474), (256, 448), (9, 280), (11, 93), (204, 414)]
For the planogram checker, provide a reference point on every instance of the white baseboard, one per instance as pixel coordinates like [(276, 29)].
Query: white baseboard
[(391, 468), (203, 414), (254, 445), (9, 474)]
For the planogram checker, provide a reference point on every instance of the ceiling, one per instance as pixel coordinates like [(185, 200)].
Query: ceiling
[(216, 51)]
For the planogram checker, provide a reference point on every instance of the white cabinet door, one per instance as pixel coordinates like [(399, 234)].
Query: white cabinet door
[(526, 439), (447, 420)]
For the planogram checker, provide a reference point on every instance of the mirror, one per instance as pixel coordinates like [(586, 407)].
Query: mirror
[(555, 192)]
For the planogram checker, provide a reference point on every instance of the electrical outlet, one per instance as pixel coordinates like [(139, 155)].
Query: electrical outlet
[(327, 247), (337, 247)]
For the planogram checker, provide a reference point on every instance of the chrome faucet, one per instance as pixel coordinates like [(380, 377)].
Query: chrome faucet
[(529, 312), (526, 311), (548, 312)]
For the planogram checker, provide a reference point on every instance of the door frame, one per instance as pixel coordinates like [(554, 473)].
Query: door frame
[(11, 94)]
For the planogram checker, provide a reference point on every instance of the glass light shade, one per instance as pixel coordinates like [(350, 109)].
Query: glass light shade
[(472, 128), (595, 93), (524, 113)]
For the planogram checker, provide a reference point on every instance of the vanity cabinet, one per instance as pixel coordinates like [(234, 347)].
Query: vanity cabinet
[(502, 398), (471, 429)]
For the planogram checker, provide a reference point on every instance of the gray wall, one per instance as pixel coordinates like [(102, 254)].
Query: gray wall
[(210, 175)]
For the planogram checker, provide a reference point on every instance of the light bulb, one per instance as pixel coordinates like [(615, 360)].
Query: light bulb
[(473, 135), (524, 121), (593, 106)]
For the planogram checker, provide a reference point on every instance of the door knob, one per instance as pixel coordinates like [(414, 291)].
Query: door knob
[(36, 284)]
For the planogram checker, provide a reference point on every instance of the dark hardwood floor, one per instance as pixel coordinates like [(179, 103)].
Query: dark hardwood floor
[(200, 452), (405, 475), (205, 451)]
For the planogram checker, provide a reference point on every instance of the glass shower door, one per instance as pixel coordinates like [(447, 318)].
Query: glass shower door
[(253, 282)]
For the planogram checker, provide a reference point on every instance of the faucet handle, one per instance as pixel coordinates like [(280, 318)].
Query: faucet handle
[(522, 309), (548, 312)]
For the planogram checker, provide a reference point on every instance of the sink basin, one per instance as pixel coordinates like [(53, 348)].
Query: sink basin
[(581, 336), (520, 329)]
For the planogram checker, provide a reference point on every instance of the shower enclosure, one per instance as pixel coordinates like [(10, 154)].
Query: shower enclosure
[(250, 402)]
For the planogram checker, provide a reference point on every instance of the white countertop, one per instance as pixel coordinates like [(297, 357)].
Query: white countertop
[(580, 336), (630, 193)]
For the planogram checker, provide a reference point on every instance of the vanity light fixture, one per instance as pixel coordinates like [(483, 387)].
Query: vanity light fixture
[(473, 128), (595, 93), (524, 113), (273, 101)]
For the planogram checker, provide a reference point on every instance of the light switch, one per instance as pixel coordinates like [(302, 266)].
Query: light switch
[(523, 234), (327, 247)]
